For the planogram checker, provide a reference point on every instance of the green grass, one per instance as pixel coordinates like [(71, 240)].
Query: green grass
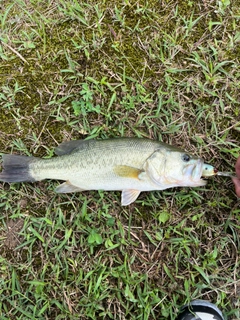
[(163, 70)]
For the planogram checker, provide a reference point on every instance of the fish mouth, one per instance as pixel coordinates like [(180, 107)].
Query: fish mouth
[(193, 173)]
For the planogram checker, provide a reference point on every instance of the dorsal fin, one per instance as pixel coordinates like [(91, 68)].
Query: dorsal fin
[(67, 147)]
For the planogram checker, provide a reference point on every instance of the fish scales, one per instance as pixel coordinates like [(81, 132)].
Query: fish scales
[(131, 165), (92, 156)]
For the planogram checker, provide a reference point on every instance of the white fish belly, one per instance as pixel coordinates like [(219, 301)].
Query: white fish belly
[(109, 181)]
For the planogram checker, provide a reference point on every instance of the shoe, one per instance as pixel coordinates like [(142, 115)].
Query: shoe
[(200, 310)]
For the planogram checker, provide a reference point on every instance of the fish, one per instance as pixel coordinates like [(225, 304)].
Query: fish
[(130, 165)]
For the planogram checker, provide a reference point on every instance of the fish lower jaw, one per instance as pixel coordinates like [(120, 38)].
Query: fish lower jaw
[(187, 183), (197, 183)]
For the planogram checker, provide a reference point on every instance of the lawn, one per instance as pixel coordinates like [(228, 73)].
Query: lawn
[(165, 70)]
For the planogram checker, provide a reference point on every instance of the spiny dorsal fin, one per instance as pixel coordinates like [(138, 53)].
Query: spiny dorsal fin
[(67, 147)]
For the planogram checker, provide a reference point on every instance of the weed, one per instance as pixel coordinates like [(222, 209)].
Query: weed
[(162, 70)]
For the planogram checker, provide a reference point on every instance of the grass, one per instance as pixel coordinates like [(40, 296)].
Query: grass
[(163, 70)]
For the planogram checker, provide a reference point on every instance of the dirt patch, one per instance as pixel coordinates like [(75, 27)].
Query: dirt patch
[(11, 236)]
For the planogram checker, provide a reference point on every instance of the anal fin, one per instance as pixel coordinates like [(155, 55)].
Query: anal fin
[(129, 196), (67, 187)]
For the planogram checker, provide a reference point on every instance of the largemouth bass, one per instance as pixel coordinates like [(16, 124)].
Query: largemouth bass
[(130, 165)]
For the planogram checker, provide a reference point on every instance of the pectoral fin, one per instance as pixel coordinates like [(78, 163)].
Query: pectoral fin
[(67, 187), (129, 196), (128, 172)]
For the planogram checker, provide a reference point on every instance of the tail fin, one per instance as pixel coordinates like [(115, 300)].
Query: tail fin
[(16, 168)]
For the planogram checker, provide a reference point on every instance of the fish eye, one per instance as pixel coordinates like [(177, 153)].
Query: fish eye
[(186, 157)]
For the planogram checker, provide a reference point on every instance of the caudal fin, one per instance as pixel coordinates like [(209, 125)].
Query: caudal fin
[(16, 168)]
